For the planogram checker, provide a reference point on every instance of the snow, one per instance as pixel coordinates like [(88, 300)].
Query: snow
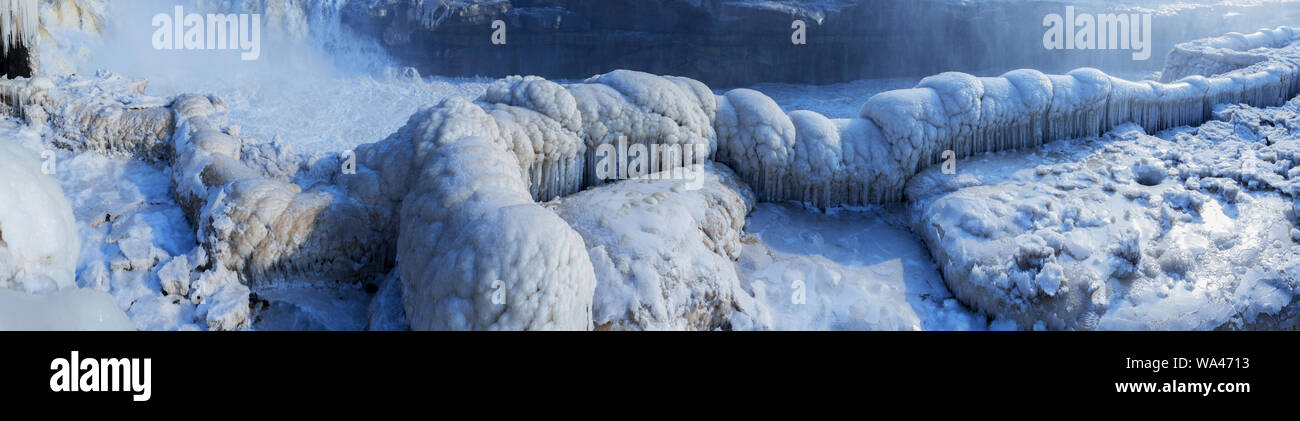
[(756, 139), (68, 309), (1213, 56), (135, 240), (818, 157), (844, 270), (239, 210), (537, 94), (643, 109), (476, 253), (222, 300), (38, 234), (662, 252), (1126, 231), (550, 156), (1078, 104), (960, 94), (914, 122)]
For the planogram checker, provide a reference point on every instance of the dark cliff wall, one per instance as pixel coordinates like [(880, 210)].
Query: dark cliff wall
[(728, 43)]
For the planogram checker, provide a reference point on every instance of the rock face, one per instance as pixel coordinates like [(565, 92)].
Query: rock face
[(736, 42)]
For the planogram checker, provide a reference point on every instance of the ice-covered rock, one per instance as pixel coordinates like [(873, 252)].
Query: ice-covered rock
[(817, 170), (1128, 231), (1213, 56), (872, 174), (756, 139), (644, 109), (260, 223), (1135, 102), (1078, 104), (221, 299), (84, 15), (551, 157), (476, 253), (266, 228), (105, 112), (38, 233), (913, 121), (1035, 94), (1009, 118), (662, 250), (540, 95), (385, 312), (960, 94)]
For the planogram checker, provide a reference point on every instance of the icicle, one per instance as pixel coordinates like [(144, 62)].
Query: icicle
[(19, 23)]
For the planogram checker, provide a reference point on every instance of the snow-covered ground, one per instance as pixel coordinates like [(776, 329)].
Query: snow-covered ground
[(845, 269)]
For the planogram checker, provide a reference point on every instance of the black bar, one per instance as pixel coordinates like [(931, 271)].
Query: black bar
[(408, 368)]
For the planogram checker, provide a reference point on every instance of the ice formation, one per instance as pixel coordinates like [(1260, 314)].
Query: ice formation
[(1127, 231), (1078, 104), (756, 138), (38, 234), (476, 253), (248, 220), (1132, 231), (1219, 55), (448, 205), (39, 250), (644, 109), (20, 23), (663, 253), (966, 115), (385, 310), (264, 227), (85, 15), (507, 149), (1012, 110)]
